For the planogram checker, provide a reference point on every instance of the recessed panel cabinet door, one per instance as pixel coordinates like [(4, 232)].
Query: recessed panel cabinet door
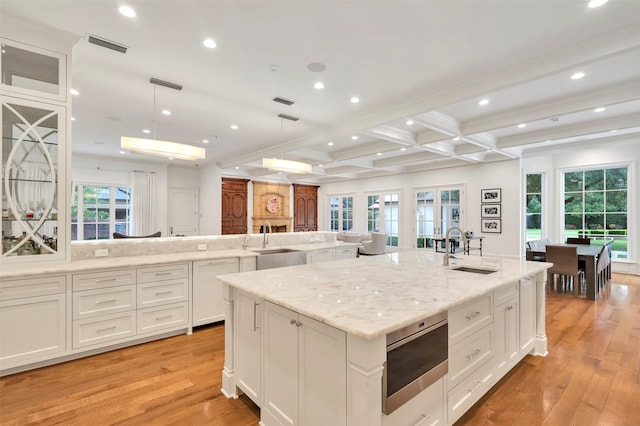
[(305, 211), (234, 206)]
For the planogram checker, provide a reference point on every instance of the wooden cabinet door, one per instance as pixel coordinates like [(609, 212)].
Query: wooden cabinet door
[(234, 206), (305, 210)]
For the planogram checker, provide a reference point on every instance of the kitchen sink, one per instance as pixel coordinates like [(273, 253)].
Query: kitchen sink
[(474, 270), (277, 258)]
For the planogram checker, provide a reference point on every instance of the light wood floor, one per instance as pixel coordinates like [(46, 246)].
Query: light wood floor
[(590, 377)]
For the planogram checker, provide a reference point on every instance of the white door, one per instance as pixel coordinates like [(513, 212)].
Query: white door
[(183, 211), (437, 209)]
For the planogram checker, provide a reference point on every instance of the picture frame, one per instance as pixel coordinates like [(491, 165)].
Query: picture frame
[(491, 210), (491, 226), (493, 195)]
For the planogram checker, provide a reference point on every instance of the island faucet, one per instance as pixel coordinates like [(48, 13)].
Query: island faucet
[(445, 261), (266, 229), (247, 241)]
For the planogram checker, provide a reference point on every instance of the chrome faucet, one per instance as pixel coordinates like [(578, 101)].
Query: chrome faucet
[(266, 230), (247, 241), (445, 261)]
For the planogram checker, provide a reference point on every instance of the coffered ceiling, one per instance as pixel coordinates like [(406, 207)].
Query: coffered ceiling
[(427, 63)]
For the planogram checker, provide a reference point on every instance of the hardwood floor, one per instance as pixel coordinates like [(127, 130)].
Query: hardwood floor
[(590, 377)]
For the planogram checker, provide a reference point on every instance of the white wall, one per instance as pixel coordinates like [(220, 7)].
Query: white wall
[(210, 200), (474, 178)]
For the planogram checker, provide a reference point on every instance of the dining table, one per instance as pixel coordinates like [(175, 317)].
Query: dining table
[(587, 256)]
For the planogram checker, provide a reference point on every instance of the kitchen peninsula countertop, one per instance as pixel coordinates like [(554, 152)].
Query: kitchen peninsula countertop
[(32, 269), (373, 295)]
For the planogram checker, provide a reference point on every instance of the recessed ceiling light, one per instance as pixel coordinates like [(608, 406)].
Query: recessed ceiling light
[(330, 144), (599, 109), (319, 85), (166, 112), (521, 126), (73, 119), (403, 149), (127, 11), (483, 102), (210, 43), (354, 137), (122, 152), (205, 141), (74, 92), (234, 126), (320, 165), (456, 138), (147, 131), (409, 122), (379, 153), (237, 168), (170, 158), (596, 3), (577, 76), (355, 100)]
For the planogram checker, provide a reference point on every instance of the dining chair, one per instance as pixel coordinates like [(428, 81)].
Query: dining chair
[(602, 272), (565, 266), (586, 241)]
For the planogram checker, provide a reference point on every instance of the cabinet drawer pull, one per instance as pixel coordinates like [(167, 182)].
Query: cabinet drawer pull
[(105, 280), (473, 315), (106, 301), (296, 323), (509, 307), (422, 420), (160, 293), (164, 317), (473, 389), (158, 274), (102, 330), (255, 316), (473, 355)]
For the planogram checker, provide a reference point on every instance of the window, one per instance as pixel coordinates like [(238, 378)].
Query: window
[(99, 211), (595, 206), (386, 218), (341, 213), (533, 207), (437, 209)]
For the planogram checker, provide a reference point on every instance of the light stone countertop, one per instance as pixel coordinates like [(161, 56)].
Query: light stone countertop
[(373, 295), (36, 268)]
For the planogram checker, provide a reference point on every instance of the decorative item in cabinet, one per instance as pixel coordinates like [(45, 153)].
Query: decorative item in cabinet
[(31, 158)]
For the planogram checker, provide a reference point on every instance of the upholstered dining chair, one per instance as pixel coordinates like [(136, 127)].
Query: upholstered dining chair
[(376, 245), (602, 269), (117, 235), (565, 266)]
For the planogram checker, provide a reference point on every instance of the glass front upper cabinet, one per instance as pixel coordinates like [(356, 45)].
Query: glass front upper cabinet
[(29, 70), (32, 155)]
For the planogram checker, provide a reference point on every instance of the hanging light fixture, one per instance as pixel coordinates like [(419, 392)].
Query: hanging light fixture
[(162, 148), (285, 166)]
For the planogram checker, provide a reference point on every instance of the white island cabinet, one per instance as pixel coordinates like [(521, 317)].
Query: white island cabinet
[(208, 300), (318, 333)]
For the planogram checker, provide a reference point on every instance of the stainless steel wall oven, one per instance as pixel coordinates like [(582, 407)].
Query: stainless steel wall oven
[(417, 356)]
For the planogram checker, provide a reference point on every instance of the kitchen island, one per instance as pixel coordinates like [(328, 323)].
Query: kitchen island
[(308, 343)]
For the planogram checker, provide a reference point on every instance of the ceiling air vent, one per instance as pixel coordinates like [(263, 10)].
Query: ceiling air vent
[(168, 84), (106, 43), (288, 117), (283, 100)]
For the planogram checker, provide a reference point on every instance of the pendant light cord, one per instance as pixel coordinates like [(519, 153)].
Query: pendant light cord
[(154, 112)]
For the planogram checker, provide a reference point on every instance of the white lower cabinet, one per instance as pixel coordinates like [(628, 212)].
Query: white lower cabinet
[(527, 315), (424, 409), (208, 299), (162, 318), (104, 329), (321, 255), (346, 252), (303, 370), (248, 329), (32, 320), (506, 329)]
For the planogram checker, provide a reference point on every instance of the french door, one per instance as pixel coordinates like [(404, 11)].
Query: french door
[(438, 208)]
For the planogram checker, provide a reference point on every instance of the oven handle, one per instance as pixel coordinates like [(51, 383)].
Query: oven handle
[(415, 335)]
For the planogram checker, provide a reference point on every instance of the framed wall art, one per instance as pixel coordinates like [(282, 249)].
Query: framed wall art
[(491, 225), (491, 210), (493, 195)]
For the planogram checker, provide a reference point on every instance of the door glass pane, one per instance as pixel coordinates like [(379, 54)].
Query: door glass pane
[(29, 70), (425, 219), (373, 213), (391, 218)]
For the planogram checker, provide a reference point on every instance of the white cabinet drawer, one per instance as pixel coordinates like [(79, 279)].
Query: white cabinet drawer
[(17, 289), (103, 279), (468, 355), (424, 409), (163, 292), (467, 393), (506, 293), (91, 303), (103, 329), (163, 317), (469, 318), (168, 272)]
